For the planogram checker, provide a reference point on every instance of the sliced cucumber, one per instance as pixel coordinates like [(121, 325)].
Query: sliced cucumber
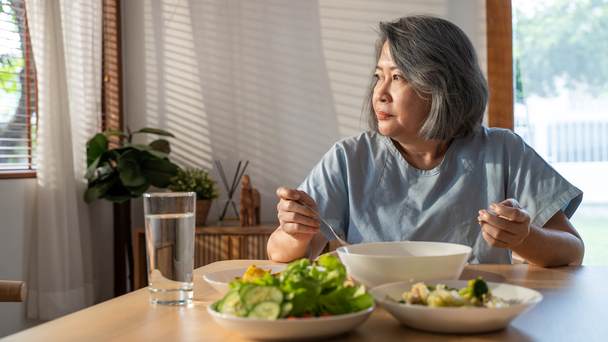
[(230, 303), (259, 294), (286, 309), (266, 310)]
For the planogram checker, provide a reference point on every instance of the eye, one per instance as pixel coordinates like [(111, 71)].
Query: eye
[(397, 77)]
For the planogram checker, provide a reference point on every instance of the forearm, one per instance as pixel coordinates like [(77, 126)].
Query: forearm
[(551, 247), (283, 247)]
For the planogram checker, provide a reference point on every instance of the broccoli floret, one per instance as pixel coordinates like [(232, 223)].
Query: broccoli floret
[(478, 287), (476, 292)]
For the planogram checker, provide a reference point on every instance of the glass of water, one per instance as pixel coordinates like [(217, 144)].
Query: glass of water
[(170, 225)]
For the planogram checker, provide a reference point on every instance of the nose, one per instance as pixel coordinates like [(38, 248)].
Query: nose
[(382, 92)]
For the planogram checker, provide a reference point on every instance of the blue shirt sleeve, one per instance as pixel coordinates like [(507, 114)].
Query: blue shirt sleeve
[(327, 185), (537, 186)]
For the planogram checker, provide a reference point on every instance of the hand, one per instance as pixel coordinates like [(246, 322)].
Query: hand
[(294, 218), (505, 225)]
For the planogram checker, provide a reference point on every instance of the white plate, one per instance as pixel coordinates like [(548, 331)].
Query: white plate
[(456, 320), (314, 327), (219, 280)]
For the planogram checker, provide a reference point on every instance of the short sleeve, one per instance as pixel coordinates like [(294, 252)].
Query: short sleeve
[(537, 186), (326, 184)]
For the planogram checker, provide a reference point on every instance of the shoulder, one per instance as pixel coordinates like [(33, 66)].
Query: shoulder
[(498, 139), (365, 144), (496, 134)]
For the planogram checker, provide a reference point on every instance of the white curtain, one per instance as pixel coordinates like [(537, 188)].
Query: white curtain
[(66, 42)]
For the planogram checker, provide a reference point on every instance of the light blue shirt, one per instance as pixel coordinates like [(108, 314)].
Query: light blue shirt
[(366, 189)]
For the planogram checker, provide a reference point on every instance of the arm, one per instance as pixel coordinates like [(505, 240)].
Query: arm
[(556, 243), (507, 225)]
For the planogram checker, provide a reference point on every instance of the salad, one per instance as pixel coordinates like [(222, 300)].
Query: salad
[(475, 294), (303, 289)]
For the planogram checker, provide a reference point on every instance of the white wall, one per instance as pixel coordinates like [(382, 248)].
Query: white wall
[(275, 82), (16, 202)]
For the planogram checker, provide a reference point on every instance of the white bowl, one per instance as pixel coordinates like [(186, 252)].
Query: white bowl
[(454, 319), (384, 262), (299, 328), (220, 280)]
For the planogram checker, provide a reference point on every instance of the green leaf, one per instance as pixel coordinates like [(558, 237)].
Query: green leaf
[(129, 169), (154, 131), (159, 171), (118, 193), (96, 146), (161, 145), (146, 148), (98, 190), (158, 154), (138, 190), (140, 147), (90, 174)]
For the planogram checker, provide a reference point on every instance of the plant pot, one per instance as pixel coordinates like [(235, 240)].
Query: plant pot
[(202, 211)]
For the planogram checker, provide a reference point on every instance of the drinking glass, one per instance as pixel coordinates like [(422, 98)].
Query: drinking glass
[(170, 226)]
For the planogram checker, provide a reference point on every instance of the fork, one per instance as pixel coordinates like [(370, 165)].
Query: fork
[(341, 241)]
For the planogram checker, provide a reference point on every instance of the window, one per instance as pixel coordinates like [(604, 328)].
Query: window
[(18, 119), (560, 65)]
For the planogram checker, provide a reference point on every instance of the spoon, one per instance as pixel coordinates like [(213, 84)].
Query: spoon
[(341, 241)]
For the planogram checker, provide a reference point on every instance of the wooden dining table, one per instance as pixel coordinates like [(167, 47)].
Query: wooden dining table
[(574, 308)]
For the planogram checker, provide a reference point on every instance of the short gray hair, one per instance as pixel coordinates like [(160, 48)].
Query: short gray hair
[(437, 59)]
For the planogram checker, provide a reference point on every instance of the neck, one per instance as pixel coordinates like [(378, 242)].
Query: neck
[(421, 153)]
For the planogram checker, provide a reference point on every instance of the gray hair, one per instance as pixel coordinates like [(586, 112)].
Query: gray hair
[(437, 59)]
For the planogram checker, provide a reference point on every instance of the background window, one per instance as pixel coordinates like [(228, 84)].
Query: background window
[(17, 90), (560, 65)]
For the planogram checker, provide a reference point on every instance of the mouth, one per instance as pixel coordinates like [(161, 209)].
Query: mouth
[(383, 115)]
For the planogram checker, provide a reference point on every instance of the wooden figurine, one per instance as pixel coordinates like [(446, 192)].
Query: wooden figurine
[(250, 204)]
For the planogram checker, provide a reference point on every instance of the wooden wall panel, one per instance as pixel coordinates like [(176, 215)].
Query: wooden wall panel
[(500, 63), (112, 116)]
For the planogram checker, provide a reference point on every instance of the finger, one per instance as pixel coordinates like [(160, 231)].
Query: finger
[(296, 195), (511, 202), (492, 241), (291, 217), (498, 222), (295, 207), (498, 234), (306, 199), (288, 194), (510, 213), (295, 228)]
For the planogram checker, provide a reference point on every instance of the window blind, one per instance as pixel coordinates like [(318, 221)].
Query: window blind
[(18, 97)]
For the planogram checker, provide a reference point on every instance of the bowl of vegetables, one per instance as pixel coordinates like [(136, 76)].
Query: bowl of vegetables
[(305, 300), (377, 263), (455, 306)]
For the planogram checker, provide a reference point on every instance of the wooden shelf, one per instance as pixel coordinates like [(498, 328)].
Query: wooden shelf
[(211, 244)]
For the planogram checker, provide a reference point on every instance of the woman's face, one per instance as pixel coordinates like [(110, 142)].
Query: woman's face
[(399, 109)]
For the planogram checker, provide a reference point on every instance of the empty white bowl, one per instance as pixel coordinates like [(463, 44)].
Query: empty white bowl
[(385, 262)]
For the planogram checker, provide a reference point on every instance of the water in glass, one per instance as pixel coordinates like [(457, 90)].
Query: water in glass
[(170, 247)]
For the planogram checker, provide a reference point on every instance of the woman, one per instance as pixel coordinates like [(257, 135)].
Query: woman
[(428, 170)]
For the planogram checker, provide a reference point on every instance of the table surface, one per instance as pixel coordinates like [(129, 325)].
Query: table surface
[(573, 309)]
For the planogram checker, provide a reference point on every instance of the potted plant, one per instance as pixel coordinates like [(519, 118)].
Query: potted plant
[(120, 170), (127, 171), (198, 181)]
